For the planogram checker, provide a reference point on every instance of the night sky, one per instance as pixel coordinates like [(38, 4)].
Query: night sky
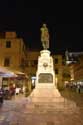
[(65, 29)]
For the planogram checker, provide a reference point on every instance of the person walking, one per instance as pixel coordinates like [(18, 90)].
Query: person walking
[(78, 88)]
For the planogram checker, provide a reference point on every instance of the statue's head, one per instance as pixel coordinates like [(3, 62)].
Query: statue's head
[(44, 25)]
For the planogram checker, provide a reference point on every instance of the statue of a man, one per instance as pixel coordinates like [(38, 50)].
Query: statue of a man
[(44, 36)]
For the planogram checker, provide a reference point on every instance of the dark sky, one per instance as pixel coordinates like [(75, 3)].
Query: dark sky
[(65, 29)]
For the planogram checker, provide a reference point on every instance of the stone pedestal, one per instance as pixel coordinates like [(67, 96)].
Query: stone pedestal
[(45, 87)]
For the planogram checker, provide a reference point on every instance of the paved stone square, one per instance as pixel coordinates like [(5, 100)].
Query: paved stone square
[(20, 111)]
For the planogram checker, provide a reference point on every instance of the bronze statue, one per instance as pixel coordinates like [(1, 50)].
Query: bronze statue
[(44, 36)]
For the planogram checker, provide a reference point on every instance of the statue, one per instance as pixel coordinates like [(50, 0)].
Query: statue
[(44, 36)]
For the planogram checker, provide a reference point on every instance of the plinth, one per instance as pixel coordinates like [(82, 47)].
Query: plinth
[(45, 87)]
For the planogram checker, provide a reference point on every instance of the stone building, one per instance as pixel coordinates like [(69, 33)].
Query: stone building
[(13, 51), (12, 54), (78, 69), (75, 65)]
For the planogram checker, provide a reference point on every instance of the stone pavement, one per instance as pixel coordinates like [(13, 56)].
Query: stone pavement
[(21, 111)]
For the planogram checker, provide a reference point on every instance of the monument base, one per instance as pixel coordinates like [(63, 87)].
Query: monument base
[(43, 100), (45, 88), (45, 94)]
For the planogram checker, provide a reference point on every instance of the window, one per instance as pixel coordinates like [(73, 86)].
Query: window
[(35, 62), (32, 63), (56, 71), (22, 61), (8, 44), (63, 62), (56, 60), (7, 62)]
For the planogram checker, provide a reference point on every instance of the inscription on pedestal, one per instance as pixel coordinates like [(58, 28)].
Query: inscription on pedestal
[(45, 78)]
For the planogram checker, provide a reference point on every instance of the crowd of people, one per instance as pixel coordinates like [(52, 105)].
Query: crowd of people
[(8, 93), (77, 86)]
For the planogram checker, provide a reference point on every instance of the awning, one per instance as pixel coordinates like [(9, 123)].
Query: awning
[(4, 72)]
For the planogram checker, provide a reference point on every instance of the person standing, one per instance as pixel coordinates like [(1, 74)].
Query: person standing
[(78, 88)]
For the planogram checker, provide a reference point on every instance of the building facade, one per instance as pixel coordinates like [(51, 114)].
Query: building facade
[(13, 52), (31, 63), (78, 69), (58, 67), (75, 64)]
